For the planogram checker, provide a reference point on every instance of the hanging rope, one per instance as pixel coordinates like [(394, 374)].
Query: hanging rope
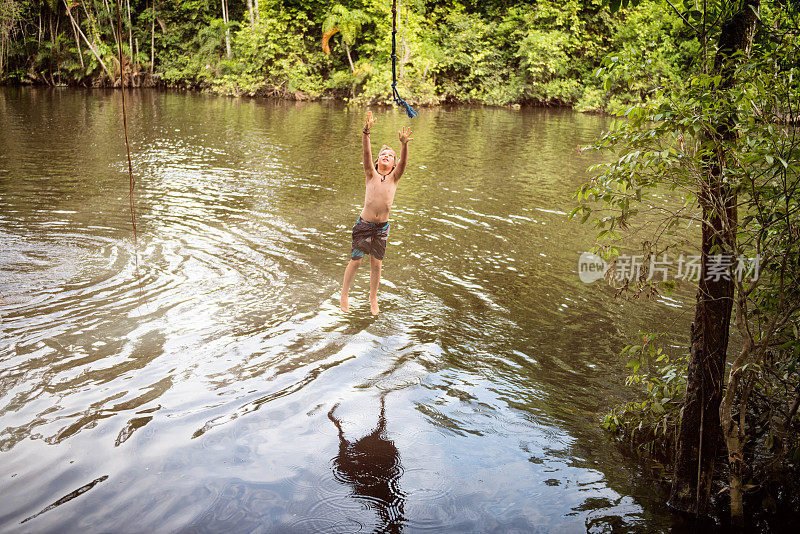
[(397, 100), (131, 182)]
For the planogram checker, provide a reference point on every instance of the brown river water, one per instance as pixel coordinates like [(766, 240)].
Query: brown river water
[(224, 391)]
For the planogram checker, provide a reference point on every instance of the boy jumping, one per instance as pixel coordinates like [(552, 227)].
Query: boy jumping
[(371, 231)]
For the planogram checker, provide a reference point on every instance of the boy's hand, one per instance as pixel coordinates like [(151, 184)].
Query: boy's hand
[(405, 135), (370, 121)]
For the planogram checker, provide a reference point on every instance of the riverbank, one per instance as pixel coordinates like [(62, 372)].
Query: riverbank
[(280, 93), (577, 55)]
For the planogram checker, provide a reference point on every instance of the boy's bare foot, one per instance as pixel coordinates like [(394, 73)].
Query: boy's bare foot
[(373, 307), (345, 305)]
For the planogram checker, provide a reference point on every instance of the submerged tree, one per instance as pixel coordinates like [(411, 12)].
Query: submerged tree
[(699, 437), (759, 408), (699, 138)]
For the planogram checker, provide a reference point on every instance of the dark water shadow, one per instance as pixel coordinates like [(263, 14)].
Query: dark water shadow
[(371, 467)]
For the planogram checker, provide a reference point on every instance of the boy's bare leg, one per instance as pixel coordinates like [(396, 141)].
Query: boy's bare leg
[(349, 274), (374, 280)]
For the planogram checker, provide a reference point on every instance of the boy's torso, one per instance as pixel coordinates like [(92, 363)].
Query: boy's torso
[(378, 198)]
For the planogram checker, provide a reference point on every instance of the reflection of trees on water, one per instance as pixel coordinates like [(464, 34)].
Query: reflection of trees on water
[(371, 466)]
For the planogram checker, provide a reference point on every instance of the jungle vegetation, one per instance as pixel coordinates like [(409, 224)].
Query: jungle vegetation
[(496, 52), (722, 414), (708, 96)]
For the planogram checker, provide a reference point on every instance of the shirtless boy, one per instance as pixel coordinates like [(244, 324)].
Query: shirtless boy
[(371, 231)]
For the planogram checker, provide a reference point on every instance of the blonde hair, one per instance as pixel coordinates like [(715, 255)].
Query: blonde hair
[(384, 147)]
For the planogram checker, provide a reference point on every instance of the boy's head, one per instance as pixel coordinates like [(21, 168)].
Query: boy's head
[(386, 160)]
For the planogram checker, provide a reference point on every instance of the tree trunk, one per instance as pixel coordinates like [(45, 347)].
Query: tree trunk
[(349, 59), (58, 52), (352, 68), (250, 10), (700, 431), (735, 438), (699, 434), (227, 31), (91, 48), (256, 4), (77, 42), (130, 31), (153, 38)]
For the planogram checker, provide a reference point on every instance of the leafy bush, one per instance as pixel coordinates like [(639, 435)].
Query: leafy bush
[(484, 52), (649, 426)]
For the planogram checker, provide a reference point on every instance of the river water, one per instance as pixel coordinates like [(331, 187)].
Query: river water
[(221, 388)]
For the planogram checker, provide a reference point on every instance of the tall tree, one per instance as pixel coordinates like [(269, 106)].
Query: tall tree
[(152, 36), (700, 431), (652, 142)]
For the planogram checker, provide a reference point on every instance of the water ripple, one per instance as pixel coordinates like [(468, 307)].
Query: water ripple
[(194, 369)]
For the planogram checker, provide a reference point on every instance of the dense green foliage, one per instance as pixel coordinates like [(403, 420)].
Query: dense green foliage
[(496, 52), (650, 425), (726, 134)]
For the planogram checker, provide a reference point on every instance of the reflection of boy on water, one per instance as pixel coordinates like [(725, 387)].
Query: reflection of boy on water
[(372, 467), (371, 230)]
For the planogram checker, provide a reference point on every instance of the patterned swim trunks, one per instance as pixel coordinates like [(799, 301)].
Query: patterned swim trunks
[(369, 238)]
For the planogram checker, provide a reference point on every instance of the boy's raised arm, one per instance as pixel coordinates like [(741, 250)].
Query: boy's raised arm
[(365, 145), (405, 137)]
